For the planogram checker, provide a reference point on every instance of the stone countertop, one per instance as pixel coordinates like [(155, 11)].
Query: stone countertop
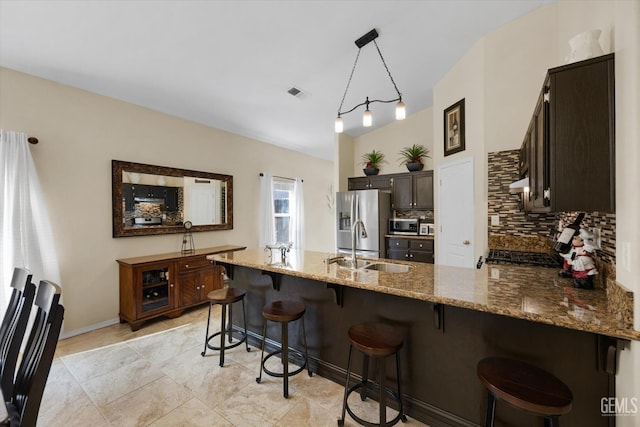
[(531, 293), (178, 255)]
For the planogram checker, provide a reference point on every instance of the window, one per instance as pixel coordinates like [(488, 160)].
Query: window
[(283, 197), (281, 218)]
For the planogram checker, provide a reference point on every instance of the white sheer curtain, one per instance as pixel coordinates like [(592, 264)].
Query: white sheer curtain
[(267, 232), (298, 215), (25, 231)]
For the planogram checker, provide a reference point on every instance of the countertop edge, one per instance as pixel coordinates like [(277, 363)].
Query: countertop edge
[(618, 333)]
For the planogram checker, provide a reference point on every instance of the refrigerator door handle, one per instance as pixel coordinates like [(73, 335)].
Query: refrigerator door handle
[(353, 210)]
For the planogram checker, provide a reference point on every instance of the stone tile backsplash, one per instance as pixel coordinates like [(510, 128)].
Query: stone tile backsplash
[(533, 231)]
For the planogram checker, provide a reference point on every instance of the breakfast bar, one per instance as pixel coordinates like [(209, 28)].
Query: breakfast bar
[(452, 318)]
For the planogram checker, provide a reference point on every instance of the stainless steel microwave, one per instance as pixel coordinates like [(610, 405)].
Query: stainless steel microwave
[(405, 226)]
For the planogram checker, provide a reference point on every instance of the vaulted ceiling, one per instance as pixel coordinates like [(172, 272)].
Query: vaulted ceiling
[(229, 64)]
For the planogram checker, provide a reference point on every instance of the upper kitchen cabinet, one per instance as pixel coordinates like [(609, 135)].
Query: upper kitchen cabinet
[(171, 199), (413, 191), (377, 182), (568, 151)]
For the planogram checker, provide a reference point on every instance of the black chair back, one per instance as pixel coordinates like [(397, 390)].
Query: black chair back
[(14, 325), (38, 355)]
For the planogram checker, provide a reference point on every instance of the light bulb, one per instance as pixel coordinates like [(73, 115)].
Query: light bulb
[(401, 111), (339, 126), (367, 119)]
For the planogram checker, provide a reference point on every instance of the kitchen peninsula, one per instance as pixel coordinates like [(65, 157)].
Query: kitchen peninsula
[(453, 317)]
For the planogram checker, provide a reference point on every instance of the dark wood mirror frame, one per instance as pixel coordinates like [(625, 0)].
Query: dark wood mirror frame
[(120, 230)]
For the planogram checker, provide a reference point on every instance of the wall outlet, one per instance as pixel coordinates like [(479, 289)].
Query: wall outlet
[(495, 220), (598, 240), (495, 273)]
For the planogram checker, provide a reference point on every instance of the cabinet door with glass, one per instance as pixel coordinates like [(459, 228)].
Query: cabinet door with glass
[(155, 287)]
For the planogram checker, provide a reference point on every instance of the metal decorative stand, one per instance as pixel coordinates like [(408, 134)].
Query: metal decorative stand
[(187, 240)]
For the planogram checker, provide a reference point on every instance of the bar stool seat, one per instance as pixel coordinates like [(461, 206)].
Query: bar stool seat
[(284, 312), (225, 297), (378, 340), (525, 387)]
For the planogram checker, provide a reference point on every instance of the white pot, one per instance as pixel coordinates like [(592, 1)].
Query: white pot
[(584, 46)]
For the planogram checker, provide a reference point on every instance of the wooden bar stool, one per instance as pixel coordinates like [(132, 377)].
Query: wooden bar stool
[(225, 297), (377, 340), (524, 386), (284, 312)]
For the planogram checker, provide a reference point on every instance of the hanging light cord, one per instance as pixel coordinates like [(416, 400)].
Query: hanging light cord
[(349, 81), (385, 67)]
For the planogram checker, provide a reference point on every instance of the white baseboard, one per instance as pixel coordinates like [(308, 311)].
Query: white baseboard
[(69, 334)]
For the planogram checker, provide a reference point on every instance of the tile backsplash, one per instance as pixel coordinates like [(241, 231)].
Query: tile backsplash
[(538, 231)]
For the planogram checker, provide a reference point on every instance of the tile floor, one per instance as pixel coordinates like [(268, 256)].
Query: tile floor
[(157, 377)]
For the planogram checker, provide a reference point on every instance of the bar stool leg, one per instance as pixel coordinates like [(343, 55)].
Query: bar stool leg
[(264, 337), (383, 393), (230, 331), (491, 409), (346, 388), (365, 377), (222, 332), (206, 335), (285, 358), (246, 337), (403, 417), (306, 352), (552, 421)]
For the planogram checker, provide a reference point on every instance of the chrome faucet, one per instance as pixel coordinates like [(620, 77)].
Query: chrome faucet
[(353, 240)]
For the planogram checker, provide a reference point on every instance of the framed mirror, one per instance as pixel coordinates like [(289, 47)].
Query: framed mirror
[(150, 199)]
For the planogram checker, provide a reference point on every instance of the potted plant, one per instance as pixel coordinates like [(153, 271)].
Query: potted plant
[(372, 161), (412, 156)]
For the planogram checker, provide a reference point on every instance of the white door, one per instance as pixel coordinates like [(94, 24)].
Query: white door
[(202, 210), (455, 214)]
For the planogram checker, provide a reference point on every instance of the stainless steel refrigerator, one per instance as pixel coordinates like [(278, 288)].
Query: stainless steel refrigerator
[(373, 207)]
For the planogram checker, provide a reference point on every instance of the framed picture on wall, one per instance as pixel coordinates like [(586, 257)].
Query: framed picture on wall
[(454, 128)]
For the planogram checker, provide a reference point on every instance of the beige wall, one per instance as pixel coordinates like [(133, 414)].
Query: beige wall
[(80, 133), (465, 80), (627, 48)]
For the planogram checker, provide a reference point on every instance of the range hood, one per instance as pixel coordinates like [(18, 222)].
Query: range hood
[(519, 186), (155, 200)]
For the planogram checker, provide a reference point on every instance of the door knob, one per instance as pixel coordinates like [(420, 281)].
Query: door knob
[(466, 242)]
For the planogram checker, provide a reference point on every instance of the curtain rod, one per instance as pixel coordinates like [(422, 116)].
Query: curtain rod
[(282, 177), (32, 140)]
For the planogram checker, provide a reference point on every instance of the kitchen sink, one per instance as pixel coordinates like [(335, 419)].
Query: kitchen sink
[(363, 264), (388, 267), (347, 262)]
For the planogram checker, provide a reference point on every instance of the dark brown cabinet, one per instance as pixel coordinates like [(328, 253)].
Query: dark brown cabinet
[(378, 182), (413, 190), (196, 278), (171, 199), (568, 151), (165, 285), (127, 195), (418, 250)]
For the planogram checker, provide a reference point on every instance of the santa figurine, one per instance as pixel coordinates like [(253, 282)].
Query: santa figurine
[(578, 262)]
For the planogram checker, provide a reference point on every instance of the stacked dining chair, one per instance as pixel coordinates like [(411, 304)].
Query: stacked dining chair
[(25, 386), (14, 325)]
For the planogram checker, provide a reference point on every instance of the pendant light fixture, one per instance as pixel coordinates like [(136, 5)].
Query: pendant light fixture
[(367, 118)]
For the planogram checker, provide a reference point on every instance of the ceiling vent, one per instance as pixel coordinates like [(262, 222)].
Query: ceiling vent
[(297, 92)]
